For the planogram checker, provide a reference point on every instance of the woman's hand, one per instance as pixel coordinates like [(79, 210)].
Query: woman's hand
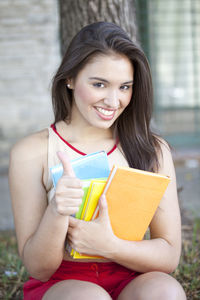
[(94, 237), (69, 192)]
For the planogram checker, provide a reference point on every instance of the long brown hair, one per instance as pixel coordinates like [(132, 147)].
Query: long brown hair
[(132, 128)]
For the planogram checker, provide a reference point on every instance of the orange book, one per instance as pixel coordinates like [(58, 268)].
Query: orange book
[(133, 196)]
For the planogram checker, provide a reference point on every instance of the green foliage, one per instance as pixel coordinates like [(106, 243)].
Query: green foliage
[(12, 272)]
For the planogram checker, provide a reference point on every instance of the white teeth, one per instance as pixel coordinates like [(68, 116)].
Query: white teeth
[(105, 112)]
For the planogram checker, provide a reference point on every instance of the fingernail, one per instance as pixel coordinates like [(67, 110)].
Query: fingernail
[(103, 198)]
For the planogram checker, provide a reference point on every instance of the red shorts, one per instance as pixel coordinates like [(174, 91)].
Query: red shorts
[(109, 275)]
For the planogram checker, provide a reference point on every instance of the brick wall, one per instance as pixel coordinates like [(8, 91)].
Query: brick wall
[(29, 56)]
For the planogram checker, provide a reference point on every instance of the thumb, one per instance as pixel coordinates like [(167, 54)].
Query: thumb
[(67, 167), (103, 208)]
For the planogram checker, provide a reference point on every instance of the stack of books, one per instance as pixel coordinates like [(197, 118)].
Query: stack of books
[(132, 195)]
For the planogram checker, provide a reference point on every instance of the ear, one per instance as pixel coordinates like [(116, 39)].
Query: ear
[(70, 84)]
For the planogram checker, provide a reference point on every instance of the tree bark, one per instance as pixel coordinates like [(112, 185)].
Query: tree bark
[(74, 14)]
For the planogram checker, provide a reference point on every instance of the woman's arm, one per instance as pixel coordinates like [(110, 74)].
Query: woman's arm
[(161, 253), (41, 228)]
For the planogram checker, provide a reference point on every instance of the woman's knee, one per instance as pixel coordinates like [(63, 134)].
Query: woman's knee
[(89, 291), (157, 284), (76, 289), (166, 287)]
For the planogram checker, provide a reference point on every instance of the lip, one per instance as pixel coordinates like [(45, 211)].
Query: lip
[(104, 117)]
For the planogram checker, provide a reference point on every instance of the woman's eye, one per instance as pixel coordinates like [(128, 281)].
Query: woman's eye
[(125, 87), (98, 84)]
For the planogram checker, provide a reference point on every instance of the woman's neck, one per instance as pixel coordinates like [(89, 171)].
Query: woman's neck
[(80, 131)]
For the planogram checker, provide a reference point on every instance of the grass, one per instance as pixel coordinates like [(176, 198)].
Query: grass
[(188, 272), (12, 271)]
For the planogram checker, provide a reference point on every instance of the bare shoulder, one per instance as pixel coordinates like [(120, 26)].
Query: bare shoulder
[(165, 159), (29, 156), (30, 146), (35, 140), (165, 147)]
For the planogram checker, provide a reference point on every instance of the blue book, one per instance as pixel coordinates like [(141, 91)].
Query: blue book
[(94, 165)]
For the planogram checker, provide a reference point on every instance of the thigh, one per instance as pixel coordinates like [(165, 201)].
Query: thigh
[(76, 289), (153, 285)]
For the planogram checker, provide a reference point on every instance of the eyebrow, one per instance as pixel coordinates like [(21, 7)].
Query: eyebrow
[(104, 80)]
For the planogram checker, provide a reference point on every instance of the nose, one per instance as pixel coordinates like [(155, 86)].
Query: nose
[(112, 99)]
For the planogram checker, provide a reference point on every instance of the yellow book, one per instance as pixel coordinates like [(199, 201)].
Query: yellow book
[(86, 185), (94, 192)]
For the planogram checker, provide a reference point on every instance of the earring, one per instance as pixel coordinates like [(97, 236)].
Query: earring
[(68, 85)]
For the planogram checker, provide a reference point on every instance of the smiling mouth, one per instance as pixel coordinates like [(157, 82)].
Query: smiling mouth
[(105, 112)]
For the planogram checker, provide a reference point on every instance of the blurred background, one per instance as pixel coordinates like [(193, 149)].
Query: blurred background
[(35, 33)]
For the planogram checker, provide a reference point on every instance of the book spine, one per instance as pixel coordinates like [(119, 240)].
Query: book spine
[(112, 173)]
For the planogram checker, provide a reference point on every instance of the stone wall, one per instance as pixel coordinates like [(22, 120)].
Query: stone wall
[(29, 56)]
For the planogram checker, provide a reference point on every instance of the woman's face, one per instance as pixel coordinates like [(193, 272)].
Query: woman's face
[(103, 89)]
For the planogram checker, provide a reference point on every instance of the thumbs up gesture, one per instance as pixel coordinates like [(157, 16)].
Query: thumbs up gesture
[(69, 192)]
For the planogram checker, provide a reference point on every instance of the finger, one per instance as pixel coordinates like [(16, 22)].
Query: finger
[(69, 234), (69, 242), (103, 208), (73, 221), (67, 168), (71, 202), (103, 202), (67, 211), (70, 193), (72, 245), (70, 182)]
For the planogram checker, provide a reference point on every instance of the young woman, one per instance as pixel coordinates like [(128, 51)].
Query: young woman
[(102, 100)]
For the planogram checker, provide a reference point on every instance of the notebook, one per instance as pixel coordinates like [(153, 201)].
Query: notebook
[(94, 165), (133, 196)]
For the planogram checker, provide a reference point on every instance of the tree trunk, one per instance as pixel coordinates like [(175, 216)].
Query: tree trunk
[(74, 14)]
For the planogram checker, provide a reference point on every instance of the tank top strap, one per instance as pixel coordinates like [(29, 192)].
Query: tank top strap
[(75, 149)]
